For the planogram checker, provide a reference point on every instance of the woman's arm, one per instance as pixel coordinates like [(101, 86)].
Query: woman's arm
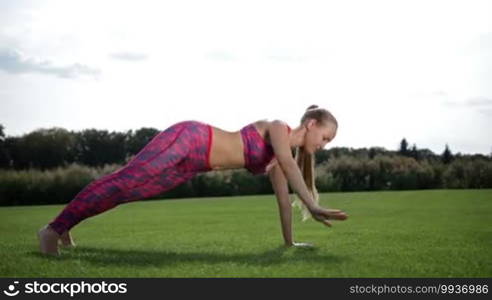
[(281, 147), (280, 143), (279, 184)]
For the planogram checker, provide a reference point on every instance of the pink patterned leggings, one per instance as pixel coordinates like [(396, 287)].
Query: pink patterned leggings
[(171, 158)]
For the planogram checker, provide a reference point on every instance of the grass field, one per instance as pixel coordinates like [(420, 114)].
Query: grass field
[(439, 233)]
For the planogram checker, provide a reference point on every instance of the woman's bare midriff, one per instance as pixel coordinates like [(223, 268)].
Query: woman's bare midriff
[(227, 149)]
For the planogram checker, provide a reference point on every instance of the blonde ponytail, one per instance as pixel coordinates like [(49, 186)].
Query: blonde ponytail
[(306, 161)]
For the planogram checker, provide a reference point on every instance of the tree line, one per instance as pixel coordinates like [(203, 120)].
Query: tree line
[(52, 165), (56, 147)]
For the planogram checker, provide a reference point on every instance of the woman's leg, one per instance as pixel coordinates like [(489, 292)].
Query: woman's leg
[(90, 203), (154, 170)]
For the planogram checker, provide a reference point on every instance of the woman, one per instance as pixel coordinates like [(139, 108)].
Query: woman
[(185, 149)]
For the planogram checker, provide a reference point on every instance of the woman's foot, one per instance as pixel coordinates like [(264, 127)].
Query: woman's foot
[(66, 240), (48, 241)]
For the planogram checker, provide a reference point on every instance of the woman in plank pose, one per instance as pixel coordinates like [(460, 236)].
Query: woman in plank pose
[(187, 148)]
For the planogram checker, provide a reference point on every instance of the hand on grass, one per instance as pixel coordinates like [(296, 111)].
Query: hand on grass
[(300, 245)]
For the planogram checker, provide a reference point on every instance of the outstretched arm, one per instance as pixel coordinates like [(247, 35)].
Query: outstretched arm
[(280, 143)]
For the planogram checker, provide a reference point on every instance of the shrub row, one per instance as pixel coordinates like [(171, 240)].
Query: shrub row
[(343, 173)]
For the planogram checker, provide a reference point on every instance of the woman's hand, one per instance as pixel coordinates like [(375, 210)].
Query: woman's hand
[(300, 245), (323, 215)]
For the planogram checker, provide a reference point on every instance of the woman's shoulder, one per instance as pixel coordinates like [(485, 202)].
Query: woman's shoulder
[(265, 124)]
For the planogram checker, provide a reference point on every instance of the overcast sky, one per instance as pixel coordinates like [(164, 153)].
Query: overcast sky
[(386, 69)]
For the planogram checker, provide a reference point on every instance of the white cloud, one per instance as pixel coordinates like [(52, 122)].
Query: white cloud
[(14, 62)]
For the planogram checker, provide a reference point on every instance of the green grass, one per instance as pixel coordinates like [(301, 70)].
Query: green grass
[(441, 233)]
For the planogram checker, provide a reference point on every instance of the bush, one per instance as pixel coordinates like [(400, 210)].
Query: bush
[(339, 173), (462, 173), (58, 185)]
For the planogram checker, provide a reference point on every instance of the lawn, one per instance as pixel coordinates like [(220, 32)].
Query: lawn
[(436, 233)]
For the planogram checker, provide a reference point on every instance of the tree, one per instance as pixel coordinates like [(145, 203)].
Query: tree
[(139, 139), (374, 151), (4, 155), (321, 156), (426, 154), (414, 152), (44, 148), (403, 147), (2, 134), (447, 156), (99, 147)]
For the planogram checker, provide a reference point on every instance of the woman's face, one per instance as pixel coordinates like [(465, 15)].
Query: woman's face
[(318, 135)]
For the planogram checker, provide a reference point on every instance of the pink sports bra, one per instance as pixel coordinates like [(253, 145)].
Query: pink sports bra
[(258, 153)]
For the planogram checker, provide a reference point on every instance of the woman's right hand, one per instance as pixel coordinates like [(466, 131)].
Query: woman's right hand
[(324, 215)]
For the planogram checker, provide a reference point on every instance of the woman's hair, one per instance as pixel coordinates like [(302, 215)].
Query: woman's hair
[(305, 161)]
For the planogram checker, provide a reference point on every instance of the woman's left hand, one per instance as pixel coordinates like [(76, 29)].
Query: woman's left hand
[(301, 245)]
